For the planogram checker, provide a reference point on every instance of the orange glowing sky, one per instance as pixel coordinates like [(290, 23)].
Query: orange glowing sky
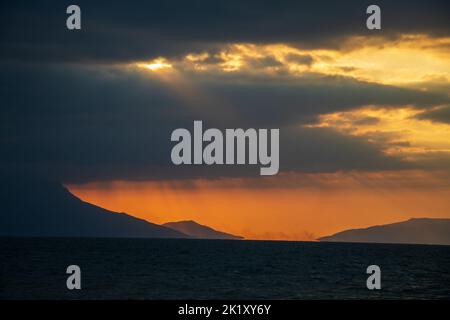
[(298, 206), (327, 204)]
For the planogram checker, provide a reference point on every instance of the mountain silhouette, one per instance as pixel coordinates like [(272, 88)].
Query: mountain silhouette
[(414, 231), (199, 231), (36, 207)]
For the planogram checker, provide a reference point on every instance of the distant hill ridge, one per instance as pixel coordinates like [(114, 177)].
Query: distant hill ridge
[(31, 206), (197, 230), (413, 231), (36, 207)]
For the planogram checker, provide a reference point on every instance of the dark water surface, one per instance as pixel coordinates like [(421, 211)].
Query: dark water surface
[(216, 269)]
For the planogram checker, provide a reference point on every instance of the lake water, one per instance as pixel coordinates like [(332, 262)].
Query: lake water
[(216, 269)]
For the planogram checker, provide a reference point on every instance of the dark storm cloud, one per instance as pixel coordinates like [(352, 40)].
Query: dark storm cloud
[(136, 30), (82, 123), (325, 150), (264, 62), (300, 58), (440, 114), (264, 101)]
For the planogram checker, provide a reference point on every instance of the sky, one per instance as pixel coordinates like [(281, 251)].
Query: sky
[(364, 115)]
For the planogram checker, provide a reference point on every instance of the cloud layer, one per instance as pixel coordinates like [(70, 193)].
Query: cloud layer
[(100, 103), (129, 31)]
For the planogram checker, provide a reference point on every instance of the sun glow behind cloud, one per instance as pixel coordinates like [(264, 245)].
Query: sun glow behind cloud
[(397, 130), (328, 202), (406, 60), (156, 65)]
